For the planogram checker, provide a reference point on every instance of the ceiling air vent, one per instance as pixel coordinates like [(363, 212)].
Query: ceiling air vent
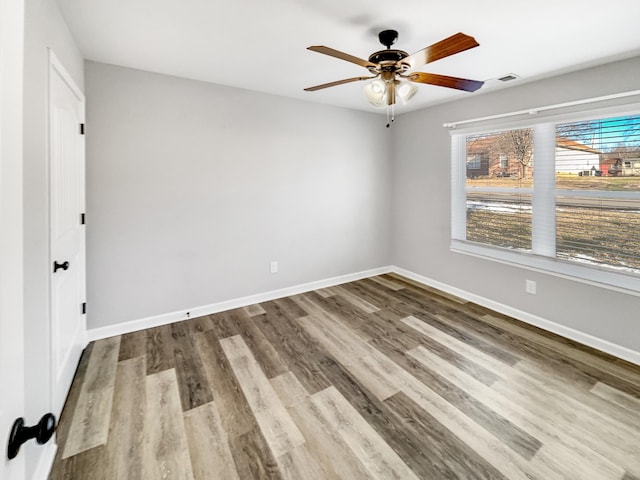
[(508, 77)]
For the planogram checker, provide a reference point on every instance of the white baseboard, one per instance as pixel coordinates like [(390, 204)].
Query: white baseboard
[(45, 462), (567, 332), (564, 331), (165, 318)]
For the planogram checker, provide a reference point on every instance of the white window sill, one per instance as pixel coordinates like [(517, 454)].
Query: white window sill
[(628, 283)]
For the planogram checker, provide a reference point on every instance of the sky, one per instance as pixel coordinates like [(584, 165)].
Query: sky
[(605, 134)]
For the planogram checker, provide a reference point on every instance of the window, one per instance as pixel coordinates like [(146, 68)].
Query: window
[(474, 162), (571, 205)]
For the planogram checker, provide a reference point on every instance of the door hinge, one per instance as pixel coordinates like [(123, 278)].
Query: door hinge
[(82, 219), (82, 129), (84, 308)]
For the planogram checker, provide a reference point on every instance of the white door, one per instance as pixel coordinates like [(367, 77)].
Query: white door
[(67, 242), (11, 270)]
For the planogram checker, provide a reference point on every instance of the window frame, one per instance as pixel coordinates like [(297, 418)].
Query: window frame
[(542, 257)]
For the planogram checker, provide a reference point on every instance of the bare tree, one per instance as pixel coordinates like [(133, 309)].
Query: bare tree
[(584, 132), (607, 135), (517, 144), (624, 151)]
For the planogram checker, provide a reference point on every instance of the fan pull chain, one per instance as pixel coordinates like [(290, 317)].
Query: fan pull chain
[(391, 110)]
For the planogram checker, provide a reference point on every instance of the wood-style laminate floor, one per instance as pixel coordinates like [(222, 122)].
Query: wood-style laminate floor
[(378, 378)]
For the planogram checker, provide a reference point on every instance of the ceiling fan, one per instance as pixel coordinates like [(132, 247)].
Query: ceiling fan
[(392, 70)]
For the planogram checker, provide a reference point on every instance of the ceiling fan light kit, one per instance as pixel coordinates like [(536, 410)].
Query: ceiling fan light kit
[(390, 69)]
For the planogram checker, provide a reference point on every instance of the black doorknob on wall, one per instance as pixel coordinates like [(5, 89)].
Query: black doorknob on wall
[(42, 432), (63, 266)]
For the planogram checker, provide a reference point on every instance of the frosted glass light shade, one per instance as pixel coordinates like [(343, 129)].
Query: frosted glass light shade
[(376, 93), (406, 91)]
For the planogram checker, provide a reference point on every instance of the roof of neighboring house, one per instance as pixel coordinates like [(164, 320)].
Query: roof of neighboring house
[(480, 145), (609, 161), (562, 142), (484, 144)]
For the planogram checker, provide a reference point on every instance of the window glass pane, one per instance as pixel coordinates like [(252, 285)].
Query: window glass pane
[(599, 154), (501, 159), (502, 220), (499, 166), (599, 236), (598, 184)]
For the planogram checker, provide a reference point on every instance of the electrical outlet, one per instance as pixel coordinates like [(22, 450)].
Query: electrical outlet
[(530, 287), (273, 268)]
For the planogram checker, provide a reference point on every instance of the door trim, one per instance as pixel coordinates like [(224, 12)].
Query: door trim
[(12, 338), (57, 68)]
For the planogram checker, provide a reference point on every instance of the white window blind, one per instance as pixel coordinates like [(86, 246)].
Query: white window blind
[(598, 192), (565, 192), (498, 198)]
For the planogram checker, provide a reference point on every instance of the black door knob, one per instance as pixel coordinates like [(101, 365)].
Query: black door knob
[(57, 266), (42, 432)]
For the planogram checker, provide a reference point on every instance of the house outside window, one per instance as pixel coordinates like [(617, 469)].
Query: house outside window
[(504, 161)]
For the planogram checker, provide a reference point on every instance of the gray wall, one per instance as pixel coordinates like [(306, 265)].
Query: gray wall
[(193, 188), (44, 28), (421, 210)]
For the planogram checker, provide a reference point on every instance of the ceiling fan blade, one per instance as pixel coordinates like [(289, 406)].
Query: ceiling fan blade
[(333, 84), (445, 81), (341, 55), (449, 46)]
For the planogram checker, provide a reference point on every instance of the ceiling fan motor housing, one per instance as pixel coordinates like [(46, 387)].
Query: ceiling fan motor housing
[(389, 56), (389, 61)]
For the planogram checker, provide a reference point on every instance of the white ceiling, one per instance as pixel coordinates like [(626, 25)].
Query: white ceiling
[(261, 44)]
